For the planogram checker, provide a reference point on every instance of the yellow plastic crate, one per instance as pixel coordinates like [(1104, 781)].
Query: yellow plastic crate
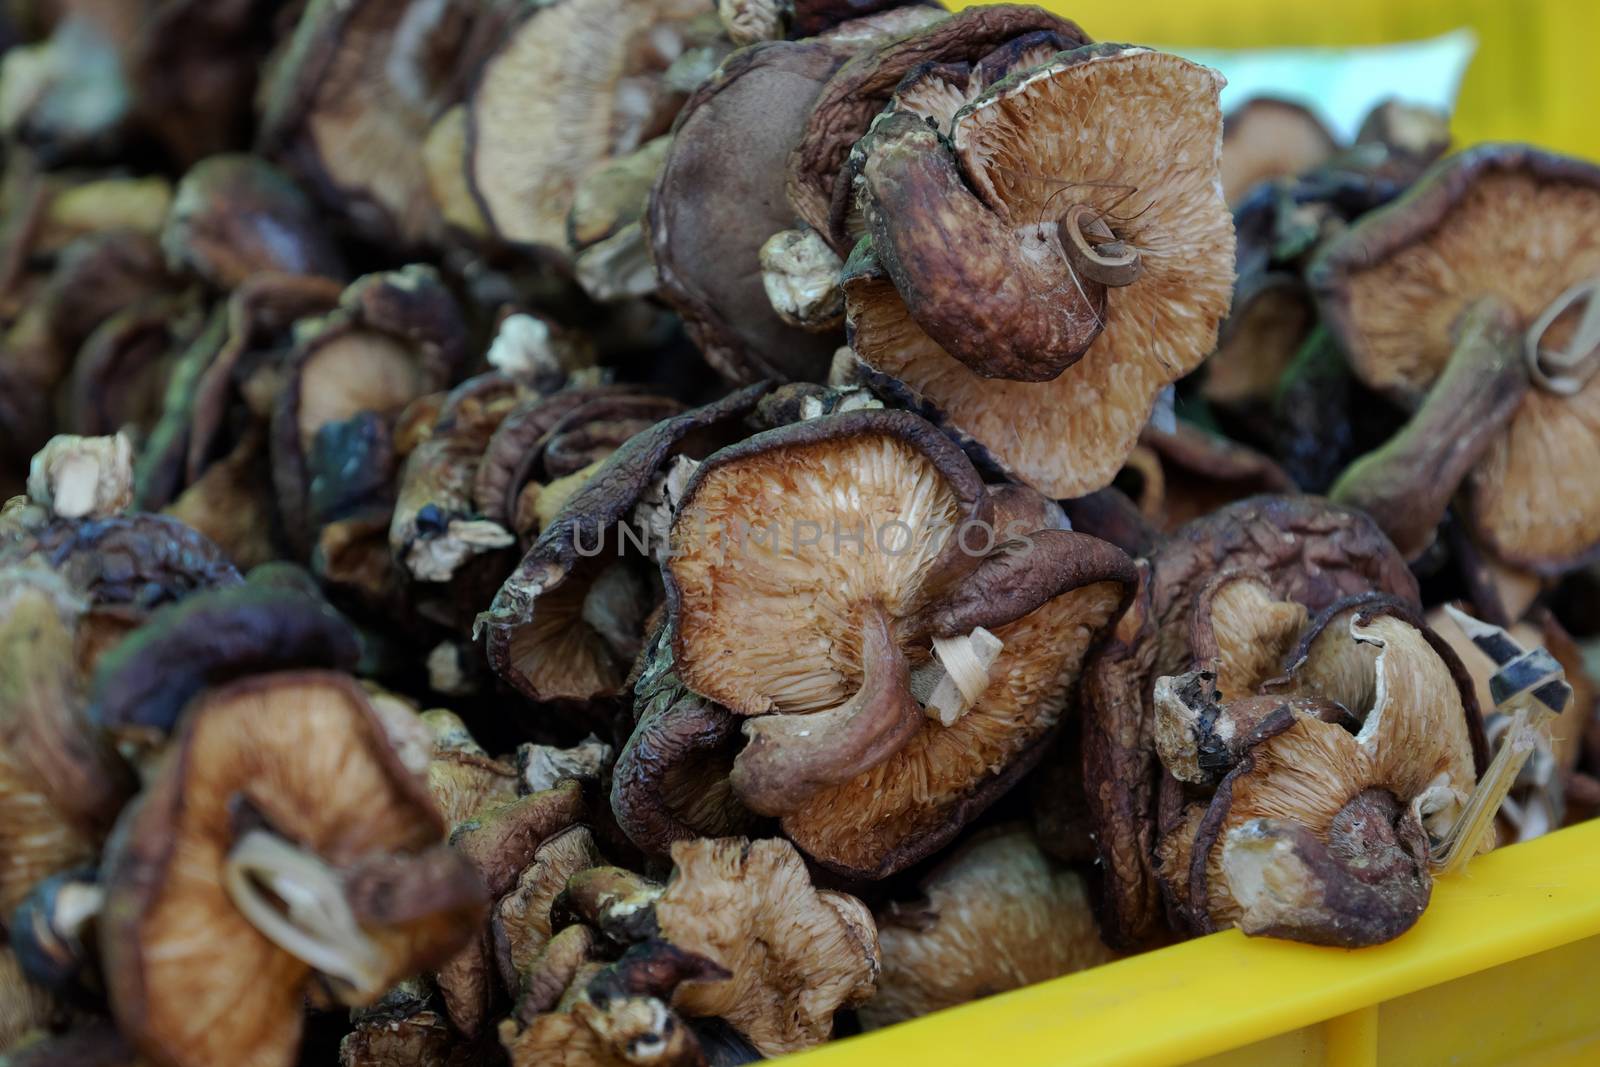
[(1531, 80), (1499, 972)]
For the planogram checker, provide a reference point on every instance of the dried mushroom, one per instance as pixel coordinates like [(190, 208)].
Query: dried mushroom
[(1308, 552), (1187, 472), (996, 915), (52, 933), (1350, 770), (852, 739), (1100, 276), (568, 623), (569, 86), (1400, 289), (1267, 138), (1271, 317), (282, 839)]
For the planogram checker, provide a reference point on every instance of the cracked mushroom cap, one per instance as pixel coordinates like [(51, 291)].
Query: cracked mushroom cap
[(1267, 138), (719, 199), (350, 100), (573, 84), (824, 643), (794, 955), (845, 107), (1126, 244), (1308, 551), (60, 784), (281, 838), (1504, 221), (569, 621), (1323, 834), (997, 915)]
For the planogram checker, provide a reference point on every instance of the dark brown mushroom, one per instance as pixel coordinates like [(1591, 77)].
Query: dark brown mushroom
[(281, 839), (873, 726), (1398, 288), (1061, 402), (995, 915), (1311, 553)]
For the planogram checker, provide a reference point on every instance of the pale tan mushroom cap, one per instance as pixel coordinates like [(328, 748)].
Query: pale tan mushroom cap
[(998, 916), (559, 98), (1253, 631), (795, 956), (1136, 134), (1269, 138), (1414, 742)]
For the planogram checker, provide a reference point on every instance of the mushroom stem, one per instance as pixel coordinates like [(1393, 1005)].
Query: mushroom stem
[(1566, 372), (791, 758), (297, 901), (1407, 484), (1096, 252), (957, 675)]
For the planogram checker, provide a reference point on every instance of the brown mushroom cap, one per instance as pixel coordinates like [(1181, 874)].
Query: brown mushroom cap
[(1309, 552), (1189, 472), (537, 636), (719, 198), (847, 104), (839, 747), (350, 100), (1067, 436), (1323, 835), (995, 915), (1507, 221), (521, 925), (794, 955), (1270, 138), (1272, 315), (571, 85), (192, 980)]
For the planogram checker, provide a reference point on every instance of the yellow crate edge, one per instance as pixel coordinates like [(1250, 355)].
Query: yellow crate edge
[(1226, 991)]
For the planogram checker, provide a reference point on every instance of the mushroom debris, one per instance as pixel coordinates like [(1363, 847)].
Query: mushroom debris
[(587, 531)]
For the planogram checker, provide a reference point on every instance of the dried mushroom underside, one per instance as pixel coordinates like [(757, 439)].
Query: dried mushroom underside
[(1310, 553), (996, 915), (1485, 272), (738, 933), (282, 840), (1092, 267), (1313, 801), (900, 639)]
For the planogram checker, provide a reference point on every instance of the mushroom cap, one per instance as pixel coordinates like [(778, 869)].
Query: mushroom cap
[(996, 915), (191, 980), (350, 99), (521, 925), (1271, 316), (1266, 137), (847, 104), (880, 787), (795, 955), (571, 85), (1310, 552), (1144, 153), (1291, 844), (537, 638), (1194, 472), (719, 198), (1496, 220)]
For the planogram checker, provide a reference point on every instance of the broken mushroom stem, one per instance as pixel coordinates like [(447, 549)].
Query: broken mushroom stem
[(1095, 251), (1407, 483), (1566, 371)]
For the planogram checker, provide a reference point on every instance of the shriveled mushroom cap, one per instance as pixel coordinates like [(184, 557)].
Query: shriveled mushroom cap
[(1507, 221), (192, 980), (1309, 552), (572, 84), (537, 636), (719, 198), (350, 100), (795, 955), (1322, 834), (996, 915), (839, 747), (1266, 137), (1188, 472), (1143, 158), (861, 89)]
